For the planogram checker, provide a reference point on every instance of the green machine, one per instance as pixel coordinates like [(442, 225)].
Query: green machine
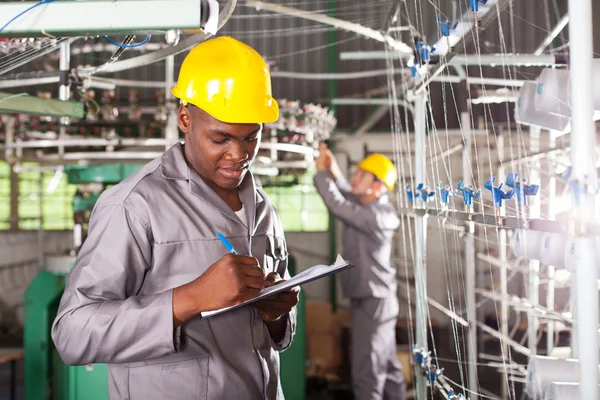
[(46, 376)]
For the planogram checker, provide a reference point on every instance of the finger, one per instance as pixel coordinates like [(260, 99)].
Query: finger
[(322, 147), (248, 294), (253, 271), (243, 260), (272, 277), (256, 283)]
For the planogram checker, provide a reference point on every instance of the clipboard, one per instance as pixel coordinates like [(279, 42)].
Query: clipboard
[(311, 274)]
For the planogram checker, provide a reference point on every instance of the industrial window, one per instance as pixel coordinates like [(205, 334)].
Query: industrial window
[(298, 204), (57, 197), (4, 196)]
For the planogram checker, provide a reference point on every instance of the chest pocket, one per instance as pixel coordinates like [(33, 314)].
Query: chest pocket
[(275, 254)]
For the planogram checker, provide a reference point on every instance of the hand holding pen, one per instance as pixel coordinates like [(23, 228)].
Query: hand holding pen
[(230, 281), (274, 307)]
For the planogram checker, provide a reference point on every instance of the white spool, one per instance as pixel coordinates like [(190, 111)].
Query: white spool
[(527, 244), (542, 371), (553, 250), (562, 391), (570, 259), (553, 92)]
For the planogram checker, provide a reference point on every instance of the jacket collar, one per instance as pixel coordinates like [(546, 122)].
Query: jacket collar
[(175, 167)]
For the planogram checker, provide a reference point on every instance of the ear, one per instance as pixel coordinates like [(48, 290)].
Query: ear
[(184, 119), (378, 187)]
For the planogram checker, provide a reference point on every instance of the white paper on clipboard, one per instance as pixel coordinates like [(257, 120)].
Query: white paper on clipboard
[(313, 273)]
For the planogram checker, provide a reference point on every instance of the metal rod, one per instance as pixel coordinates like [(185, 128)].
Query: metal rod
[(489, 60), (552, 35), (534, 265), (64, 88), (433, 303), (582, 161), (359, 29), (446, 153), (521, 349), (550, 270), (368, 102), (171, 129), (504, 267), (420, 269), (469, 255)]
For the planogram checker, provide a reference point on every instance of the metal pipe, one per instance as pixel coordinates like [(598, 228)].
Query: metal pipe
[(582, 161), (372, 119), (550, 270), (420, 270), (446, 153), (552, 35), (489, 60), (368, 102), (521, 349), (435, 304), (469, 254), (171, 129), (64, 89), (504, 267), (400, 47), (534, 265)]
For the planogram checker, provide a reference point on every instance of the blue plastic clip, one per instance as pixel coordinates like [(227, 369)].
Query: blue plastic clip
[(446, 26), (410, 194), (497, 193), (434, 373), (468, 193), (424, 51), (446, 192), (521, 188), (424, 192), (475, 4), (577, 189), (413, 71)]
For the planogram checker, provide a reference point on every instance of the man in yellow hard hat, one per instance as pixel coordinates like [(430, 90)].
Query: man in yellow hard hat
[(152, 266), (369, 222)]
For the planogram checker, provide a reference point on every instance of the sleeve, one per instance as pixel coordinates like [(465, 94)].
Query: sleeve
[(344, 186), (366, 219), (290, 329), (101, 316)]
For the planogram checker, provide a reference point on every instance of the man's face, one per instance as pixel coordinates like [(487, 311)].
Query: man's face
[(362, 182), (220, 152)]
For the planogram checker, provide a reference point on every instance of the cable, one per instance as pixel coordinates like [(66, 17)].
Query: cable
[(24, 12), (126, 46)]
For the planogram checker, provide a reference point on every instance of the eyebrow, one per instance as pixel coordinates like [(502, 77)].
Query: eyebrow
[(230, 136)]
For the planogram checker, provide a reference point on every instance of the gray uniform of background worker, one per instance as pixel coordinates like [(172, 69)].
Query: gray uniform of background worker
[(369, 222), (152, 263)]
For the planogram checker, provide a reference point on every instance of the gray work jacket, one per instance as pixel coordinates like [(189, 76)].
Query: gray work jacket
[(366, 238), (154, 231)]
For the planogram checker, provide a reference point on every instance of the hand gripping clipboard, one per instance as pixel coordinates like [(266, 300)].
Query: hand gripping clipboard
[(313, 273)]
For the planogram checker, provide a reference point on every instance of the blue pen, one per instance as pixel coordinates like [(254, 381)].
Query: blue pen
[(226, 243)]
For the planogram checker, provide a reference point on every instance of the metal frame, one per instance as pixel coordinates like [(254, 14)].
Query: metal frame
[(400, 47), (583, 142), (71, 18)]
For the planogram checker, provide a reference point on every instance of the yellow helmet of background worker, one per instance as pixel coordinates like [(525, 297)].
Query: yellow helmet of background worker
[(380, 166), (229, 80)]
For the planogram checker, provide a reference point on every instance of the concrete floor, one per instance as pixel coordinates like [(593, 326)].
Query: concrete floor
[(5, 381), (489, 378)]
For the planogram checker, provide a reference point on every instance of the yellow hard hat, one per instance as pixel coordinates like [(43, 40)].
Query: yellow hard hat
[(229, 80), (380, 166)]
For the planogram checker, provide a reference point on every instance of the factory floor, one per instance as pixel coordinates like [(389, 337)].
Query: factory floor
[(5, 381), (489, 378)]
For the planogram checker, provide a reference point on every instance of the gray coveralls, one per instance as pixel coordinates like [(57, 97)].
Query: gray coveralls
[(155, 231), (371, 286)]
